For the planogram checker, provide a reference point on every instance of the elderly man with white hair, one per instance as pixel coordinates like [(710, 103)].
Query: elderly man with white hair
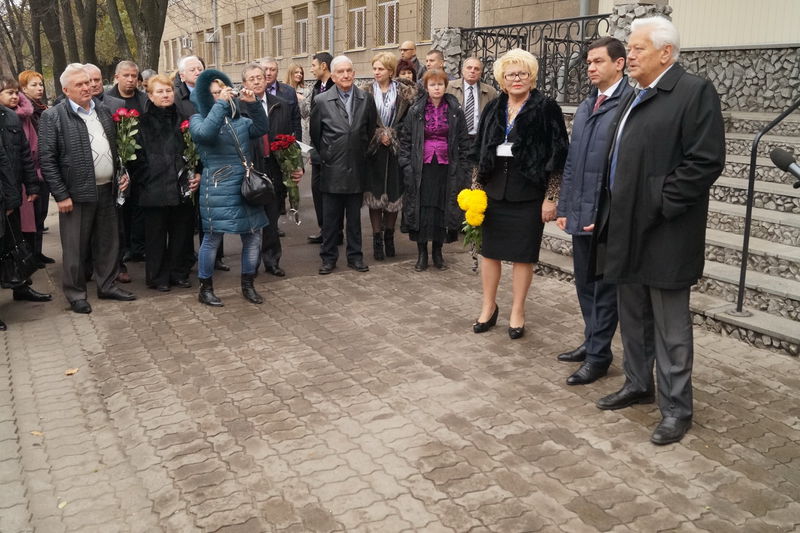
[(669, 148), (189, 68), (78, 158), (343, 121)]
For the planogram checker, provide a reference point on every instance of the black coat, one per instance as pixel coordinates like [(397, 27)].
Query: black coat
[(5, 177), (280, 123), (18, 152), (342, 146), (182, 101), (137, 101), (539, 146), (289, 95), (651, 231), (592, 136), (158, 162), (412, 139), (65, 152)]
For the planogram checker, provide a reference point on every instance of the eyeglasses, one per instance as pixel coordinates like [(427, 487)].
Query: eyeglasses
[(406, 49), (511, 76)]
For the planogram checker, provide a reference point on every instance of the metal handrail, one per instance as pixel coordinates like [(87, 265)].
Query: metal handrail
[(748, 218)]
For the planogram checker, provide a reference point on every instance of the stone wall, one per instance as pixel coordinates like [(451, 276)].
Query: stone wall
[(448, 40), (750, 79), (625, 13)]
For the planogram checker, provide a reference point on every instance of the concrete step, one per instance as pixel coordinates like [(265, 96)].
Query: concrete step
[(769, 225), (768, 195), (761, 328), (738, 166), (766, 257), (742, 144), (751, 123)]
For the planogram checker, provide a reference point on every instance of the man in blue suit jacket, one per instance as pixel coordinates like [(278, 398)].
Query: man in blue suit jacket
[(283, 91), (592, 132)]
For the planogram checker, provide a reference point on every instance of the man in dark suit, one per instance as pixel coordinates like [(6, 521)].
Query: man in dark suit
[(320, 68), (669, 149), (281, 90), (592, 132), (189, 68), (472, 93), (111, 103), (343, 121)]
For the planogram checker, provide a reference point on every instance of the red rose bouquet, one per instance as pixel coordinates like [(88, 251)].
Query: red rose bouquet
[(127, 127), (191, 157), (289, 157)]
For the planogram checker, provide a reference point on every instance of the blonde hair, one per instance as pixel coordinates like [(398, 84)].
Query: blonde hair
[(163, 79), (516, 56), (290, 75), (389, 61)]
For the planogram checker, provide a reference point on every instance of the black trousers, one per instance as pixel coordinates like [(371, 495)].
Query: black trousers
[(337, 209), (167, 231), (656, 328), (271, 250), (598, 302), (316, 193), (90, 225)]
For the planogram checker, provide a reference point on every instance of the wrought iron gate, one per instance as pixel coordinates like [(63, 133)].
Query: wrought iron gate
[(559, 45)]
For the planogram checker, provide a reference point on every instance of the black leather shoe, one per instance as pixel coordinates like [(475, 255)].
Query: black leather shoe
[(44, 259), (516, 333), (327, 268), (358, 266), (670, 429), (25, 293), (587, 373), (160, 287), (315, 239), (578, 355), (482, 327), (275, 270), (181, 283), (81, 306), (625, 397), (219, 264), (281, 233), (3, 326), (117, 294)]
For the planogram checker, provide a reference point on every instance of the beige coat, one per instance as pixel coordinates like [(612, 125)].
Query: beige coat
[(487, 93)]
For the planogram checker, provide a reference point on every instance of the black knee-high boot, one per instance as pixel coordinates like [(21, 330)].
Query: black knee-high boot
[(422, 258), (436, 255)]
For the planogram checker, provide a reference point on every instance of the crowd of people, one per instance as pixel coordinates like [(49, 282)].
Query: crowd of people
[(630, 187)]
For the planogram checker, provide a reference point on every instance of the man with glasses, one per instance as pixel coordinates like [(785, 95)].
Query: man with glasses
[(408, 52)]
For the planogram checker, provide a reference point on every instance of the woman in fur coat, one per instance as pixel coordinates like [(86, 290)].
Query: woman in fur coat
[(384, 195), (520, 150), (215, 129)]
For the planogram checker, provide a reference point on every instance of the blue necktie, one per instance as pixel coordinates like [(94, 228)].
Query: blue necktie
[(613, 170)]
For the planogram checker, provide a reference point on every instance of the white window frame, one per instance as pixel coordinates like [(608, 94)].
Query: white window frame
[(388, 9), (227, 44), (301, 36), (277, 40), (358, 32), (324, 32)]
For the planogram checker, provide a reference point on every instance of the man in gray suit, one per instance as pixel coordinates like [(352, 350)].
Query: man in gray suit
[(343, 121), (472, 94)]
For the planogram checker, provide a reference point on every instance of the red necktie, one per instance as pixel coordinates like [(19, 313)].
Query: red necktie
[(600, 100)]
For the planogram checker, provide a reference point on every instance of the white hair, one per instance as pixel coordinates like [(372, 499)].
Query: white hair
[(340, 59), (185, 59), (89, 67), (71, 70), (662, 32)]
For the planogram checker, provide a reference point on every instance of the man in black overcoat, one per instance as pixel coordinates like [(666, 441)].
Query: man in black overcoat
[(669, 149), (343, 120)]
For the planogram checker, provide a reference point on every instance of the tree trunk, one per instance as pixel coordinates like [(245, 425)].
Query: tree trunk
[(147, 20), (15, 13), (69, 32), (13, 47), (36, 37), (123, 47), (48, 15), (89, 31)]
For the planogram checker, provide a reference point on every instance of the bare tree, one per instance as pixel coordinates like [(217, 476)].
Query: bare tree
[(71, 35), (48, 15), (147, 19), (87, 13), (123, 48)]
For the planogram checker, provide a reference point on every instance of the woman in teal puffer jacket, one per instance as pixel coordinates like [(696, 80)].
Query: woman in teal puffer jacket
[(222, 208)]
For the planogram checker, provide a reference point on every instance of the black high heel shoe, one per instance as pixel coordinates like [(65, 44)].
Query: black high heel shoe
[(516, 333), (482, 327)]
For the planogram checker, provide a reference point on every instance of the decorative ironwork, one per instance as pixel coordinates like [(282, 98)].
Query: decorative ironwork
[(559, 45)]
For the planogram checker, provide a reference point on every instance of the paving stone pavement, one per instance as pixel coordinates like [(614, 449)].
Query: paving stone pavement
[(363, 402)]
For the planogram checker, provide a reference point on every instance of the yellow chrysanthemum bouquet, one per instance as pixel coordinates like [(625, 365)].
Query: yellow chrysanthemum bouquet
[(473, 202)]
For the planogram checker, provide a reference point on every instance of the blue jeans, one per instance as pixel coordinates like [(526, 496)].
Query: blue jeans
[(251, 248)]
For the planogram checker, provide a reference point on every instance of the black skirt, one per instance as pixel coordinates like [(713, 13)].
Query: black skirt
[(433, 206), (512, 231)]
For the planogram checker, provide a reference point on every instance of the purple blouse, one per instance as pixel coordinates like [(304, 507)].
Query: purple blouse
[(435, 133)]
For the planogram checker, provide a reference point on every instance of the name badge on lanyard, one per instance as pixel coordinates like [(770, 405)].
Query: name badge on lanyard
[(504, 150)]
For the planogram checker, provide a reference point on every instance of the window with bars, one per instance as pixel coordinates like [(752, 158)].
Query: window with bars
[(425, 18), (167, 56), (301, 31), (357, 24), (227, 44), (324, 26), (387, 22), (260, 37), (241, 41), (199, 44), (276, 34), (208, 47), (176, 52)]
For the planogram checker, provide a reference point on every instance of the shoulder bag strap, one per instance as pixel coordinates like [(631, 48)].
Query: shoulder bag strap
[(245, 164)]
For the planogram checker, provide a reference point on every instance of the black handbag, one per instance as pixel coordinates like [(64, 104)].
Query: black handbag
[(17, 264), (257, 187)]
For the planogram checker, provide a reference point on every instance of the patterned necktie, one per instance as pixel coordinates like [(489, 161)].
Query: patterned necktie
[(469, 108), (600, 100), (345, 97), (613, 170)]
